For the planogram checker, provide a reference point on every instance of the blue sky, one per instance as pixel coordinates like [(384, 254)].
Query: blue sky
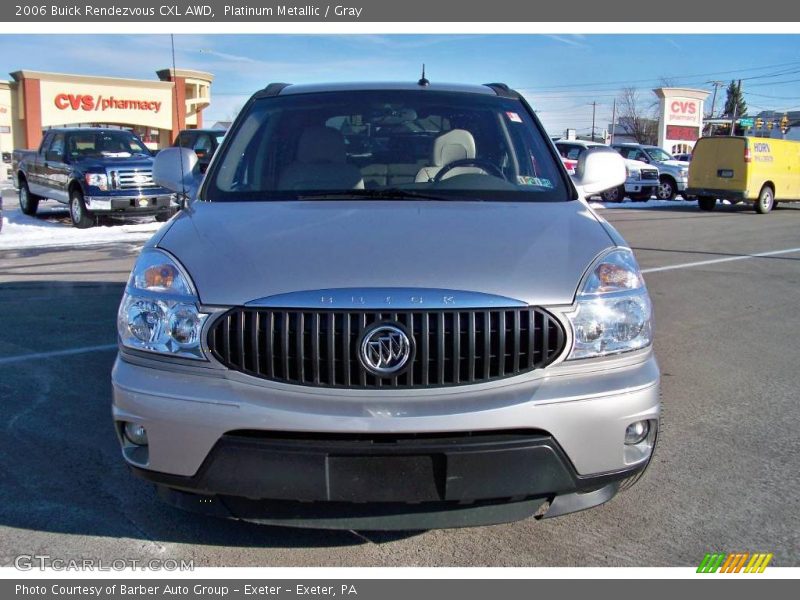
[(559, 74)]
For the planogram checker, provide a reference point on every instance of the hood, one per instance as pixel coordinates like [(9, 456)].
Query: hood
[(675, 163), (100, 164), (237, 252), (637, 165)]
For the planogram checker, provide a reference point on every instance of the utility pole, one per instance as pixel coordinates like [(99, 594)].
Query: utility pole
[(594, 109), (717, 85), (613, 119), (735, 106)]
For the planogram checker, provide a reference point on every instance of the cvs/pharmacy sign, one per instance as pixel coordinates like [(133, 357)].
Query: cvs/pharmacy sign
[(683, 110)]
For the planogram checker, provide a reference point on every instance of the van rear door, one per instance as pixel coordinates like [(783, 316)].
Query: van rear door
[(718, 163)]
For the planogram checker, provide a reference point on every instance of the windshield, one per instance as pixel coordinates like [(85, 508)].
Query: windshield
[(106, 144), (658, 154), (363, 144)]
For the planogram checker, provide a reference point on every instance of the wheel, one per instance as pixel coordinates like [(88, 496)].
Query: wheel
[(28, 203), (614, 194), (77, 211), (766, 200), (666, 189), (706, 203)]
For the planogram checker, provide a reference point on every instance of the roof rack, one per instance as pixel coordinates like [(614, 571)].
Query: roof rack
[(273, 89), (501, 89)]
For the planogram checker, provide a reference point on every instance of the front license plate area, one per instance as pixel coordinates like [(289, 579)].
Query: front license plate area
[(406, 478)]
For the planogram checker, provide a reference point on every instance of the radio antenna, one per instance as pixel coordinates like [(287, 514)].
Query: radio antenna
[(423, 81)]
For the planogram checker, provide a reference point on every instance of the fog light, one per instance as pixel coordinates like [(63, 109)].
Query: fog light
[(637, 432), (136, 434)]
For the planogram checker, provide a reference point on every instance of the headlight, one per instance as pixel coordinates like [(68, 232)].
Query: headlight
[(158, 312), (634, 174), (613, 312), (684, 172), (98, 180)]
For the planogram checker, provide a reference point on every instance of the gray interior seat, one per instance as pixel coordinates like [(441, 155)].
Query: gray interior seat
[(457, 144), (320, 163), (390, 174)]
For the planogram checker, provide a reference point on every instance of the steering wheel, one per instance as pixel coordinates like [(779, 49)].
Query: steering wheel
[(492, 168)]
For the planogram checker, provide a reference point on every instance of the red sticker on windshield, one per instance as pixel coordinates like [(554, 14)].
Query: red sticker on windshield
[(512, 116)]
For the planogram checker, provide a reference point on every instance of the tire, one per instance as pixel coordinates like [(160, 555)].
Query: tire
[(28, 203), (706, 203), (766, 200), (667, 190), (616, 194), (81, 218)]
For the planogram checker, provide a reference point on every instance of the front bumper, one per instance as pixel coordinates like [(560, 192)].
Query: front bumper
[(138, 204), (641, 188), (682, 184), (461, 456)]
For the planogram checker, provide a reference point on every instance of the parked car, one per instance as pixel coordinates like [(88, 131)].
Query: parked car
[(204, 142), (673, 174), (641, 180), (388, 308), (685, 157), (94, 171), (763, 171)]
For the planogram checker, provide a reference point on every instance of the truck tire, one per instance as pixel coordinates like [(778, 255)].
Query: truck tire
[(614, 194), (766, 200), (77, 210), (667, 190), (28, 203), (706, 203)]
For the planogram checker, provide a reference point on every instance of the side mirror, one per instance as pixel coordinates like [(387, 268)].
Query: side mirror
[(598, 170), (177, 169)]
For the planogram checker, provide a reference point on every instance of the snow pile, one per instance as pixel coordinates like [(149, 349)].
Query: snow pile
[(627, 203), (52, 227)]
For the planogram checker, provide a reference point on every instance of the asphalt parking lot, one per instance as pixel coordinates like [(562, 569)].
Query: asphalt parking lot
[(725, 476)]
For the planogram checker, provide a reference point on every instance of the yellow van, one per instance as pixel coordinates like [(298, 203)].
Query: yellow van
[(761, 170)]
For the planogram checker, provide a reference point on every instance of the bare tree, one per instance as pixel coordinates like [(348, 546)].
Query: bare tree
[(636, 118)]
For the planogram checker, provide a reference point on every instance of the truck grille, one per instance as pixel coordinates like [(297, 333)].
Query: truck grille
[(651, 174), (132, 179), (320, 348)]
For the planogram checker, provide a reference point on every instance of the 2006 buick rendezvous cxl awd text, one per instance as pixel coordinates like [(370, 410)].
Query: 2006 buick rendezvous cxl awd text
[(386, 307)]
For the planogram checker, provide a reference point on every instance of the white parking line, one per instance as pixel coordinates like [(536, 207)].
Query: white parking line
[(713, 261), (39, 355)]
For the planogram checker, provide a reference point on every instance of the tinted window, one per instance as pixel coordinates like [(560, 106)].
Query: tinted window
[(107, 144), (454, 144)]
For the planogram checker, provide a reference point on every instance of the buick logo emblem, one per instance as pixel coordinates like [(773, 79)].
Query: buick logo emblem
[(385, 350)]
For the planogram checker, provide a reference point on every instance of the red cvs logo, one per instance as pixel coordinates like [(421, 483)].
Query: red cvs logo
[(683, 107), (74, 101)]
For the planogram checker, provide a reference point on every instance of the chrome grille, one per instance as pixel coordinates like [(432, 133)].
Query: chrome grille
[(651, 174), (319, 348), (132, 179)]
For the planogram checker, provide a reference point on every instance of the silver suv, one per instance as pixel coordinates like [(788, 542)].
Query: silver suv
[(386, 306)]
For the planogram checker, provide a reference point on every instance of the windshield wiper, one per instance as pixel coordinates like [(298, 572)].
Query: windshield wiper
[(381, 194)]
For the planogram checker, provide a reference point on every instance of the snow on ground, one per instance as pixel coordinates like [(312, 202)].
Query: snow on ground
[(628, 203), (52, 227)]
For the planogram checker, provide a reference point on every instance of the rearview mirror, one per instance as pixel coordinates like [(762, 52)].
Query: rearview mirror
[(598, 170), (177, 169)]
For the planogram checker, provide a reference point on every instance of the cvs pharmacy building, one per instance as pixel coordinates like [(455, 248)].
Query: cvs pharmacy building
[(155, 110)]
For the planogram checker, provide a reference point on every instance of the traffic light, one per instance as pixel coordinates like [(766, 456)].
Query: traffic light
[(784, 123), (759, 123)]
